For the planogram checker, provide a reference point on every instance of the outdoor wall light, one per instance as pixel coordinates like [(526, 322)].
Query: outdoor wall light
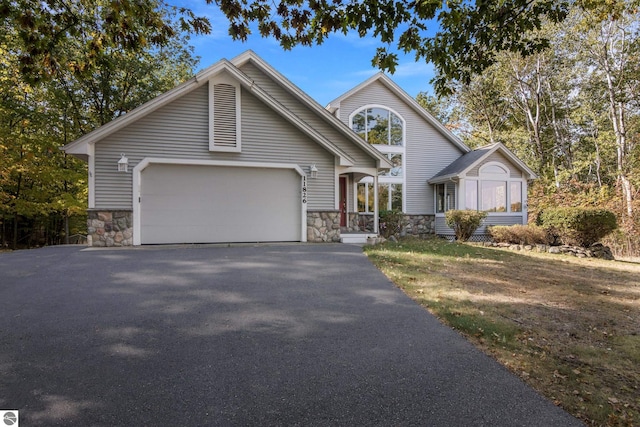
[(123, 164), (313, 171)]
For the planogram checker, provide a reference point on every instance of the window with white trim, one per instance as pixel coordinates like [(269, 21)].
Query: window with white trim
[(385, 130), (389, 196), (379, 126), (494, 190), (445, 197)]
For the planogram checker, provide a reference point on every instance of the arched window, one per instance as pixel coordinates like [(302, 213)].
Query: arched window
[(379, 126), (385, 129)]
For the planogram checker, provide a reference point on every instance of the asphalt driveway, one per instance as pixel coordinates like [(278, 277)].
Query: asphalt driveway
[(246, 335)]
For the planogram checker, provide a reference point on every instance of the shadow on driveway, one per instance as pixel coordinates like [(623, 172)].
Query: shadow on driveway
[(241, 335)]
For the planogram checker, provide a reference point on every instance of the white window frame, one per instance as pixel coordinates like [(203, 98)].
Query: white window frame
[(502, 177), (449, 200), (387, 149), (369, 194)]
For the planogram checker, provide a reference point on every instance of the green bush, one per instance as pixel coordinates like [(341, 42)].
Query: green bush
[(464, 222), (519, 234), (623, 243), (578, 226), (391, 223)]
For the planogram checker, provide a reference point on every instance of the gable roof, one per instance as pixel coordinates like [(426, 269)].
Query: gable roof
[(80, 147), (312, 104), (468, 161), (399, 92)]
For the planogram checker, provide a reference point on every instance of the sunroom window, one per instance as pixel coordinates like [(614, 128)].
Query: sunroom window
[(445, 197), (516, 196), (494, 196)]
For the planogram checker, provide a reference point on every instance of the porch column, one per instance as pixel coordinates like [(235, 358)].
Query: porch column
[(376, 212)]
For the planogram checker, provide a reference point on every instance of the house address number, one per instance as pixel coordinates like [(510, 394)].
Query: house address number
[(304, 189)]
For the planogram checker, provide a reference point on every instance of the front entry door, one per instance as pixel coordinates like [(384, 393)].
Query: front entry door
[(343, 201)]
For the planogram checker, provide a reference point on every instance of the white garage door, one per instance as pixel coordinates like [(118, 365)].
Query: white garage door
[(208, 204)]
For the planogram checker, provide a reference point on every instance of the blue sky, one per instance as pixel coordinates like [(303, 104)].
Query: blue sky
[(324, 72)]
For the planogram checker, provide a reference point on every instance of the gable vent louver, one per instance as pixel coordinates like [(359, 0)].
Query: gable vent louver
[(225, 133)]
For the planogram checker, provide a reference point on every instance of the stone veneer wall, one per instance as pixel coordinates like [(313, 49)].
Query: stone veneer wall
[(323, 226), (360, 222), (109, 228), (115, 228), (415, 225), (419, 226)]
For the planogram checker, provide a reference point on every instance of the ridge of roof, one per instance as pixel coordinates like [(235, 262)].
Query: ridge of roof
[(264, 66), (80, 145)]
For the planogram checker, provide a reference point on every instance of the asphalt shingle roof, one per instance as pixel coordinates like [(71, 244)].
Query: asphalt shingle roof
[(463, 162)]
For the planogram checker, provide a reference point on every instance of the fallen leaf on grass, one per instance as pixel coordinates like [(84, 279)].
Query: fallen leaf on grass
[(557, 374)]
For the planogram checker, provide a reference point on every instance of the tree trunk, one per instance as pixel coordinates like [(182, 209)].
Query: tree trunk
[(15, 231), (66, 227), (616, 112)]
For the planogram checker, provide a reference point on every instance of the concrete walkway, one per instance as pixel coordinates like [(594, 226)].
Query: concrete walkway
[(245, 335)]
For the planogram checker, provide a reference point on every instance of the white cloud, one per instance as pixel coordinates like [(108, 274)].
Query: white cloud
[(414, 69)]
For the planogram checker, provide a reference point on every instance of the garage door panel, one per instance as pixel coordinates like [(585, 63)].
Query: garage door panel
[(207, 204)]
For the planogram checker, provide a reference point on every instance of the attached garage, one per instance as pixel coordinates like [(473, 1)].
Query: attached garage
[(196, 203)]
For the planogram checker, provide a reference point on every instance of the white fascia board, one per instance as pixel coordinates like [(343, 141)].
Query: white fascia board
[(515, 159), (443, 179), (249, 55)]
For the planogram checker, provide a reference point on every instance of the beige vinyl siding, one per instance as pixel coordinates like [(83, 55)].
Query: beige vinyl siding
[(427, 150), (497, 157), (307, 115), (181, 130)]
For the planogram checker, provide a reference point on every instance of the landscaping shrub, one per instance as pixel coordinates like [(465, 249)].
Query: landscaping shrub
[(622, 243), (519, 234), (578, 226), (464, 222), (391, 223)]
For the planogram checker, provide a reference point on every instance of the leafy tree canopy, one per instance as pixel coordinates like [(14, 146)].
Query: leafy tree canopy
[(469, 36), (46, 26)]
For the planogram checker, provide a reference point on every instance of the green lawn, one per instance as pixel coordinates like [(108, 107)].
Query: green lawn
[(569, 327)]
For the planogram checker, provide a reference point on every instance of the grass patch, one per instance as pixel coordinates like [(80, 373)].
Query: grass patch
[(569, 327)]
